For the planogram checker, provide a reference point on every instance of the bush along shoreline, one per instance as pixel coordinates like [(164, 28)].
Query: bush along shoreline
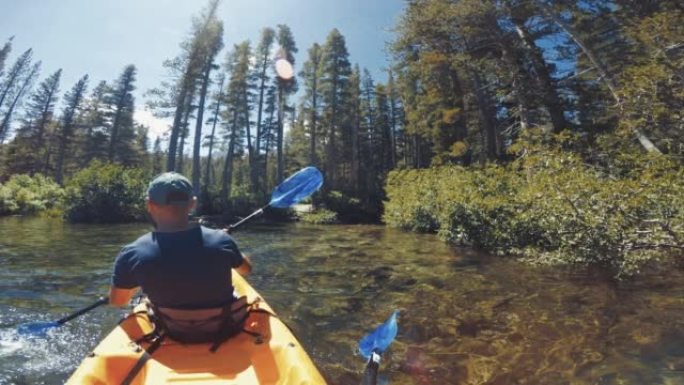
[(112, 193), (550, 207)]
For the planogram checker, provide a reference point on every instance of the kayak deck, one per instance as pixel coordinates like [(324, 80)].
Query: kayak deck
[(276, 357)]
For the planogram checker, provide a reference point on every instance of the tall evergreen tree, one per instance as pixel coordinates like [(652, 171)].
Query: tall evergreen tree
[(214, 44), (335, 72), (4, 53), (121, 104), (216, 107), (286, 87), (13, 77), (355, 118), (236, 112), (92, 137), (311, 106), (263, 64), (24, 85), (396, 116), (73, 101), (192, 63), (41, 111)]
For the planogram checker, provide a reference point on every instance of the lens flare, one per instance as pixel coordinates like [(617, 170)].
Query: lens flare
[(284, 69)]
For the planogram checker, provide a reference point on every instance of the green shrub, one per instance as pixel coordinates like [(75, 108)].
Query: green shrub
[(350, 209), (319, 217), (549, 207), (106, 193), (26, 195)]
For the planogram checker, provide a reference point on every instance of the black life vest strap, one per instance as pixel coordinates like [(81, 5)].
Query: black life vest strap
[(146, 355)]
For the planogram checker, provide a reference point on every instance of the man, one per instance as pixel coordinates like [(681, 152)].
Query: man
[(178, 266)]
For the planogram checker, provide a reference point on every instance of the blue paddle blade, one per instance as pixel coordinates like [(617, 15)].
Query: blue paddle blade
[(297, 187), (36, 328), (380, 338)]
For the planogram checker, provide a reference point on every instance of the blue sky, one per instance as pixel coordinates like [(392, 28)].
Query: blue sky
[(100, 37)]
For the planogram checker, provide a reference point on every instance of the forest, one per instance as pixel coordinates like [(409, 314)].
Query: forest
[(559, 102)]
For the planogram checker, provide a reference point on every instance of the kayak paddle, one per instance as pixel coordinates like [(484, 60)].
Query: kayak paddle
[(374, 345), (298, 186), (40, 328)]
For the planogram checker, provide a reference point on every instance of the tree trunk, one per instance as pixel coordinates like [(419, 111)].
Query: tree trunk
[(546, 83), (196, 165), (355, 148), (393, 130), (250, 150), (492, 143), (177, 122), (314, 120), (519, 79), (226, 183), (63, 141), (269, 144), (184, 135), (260, 110), (207, 172), (281, 117)]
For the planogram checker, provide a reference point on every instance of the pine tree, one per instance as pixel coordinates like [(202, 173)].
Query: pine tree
[(396, 117), (191, 64), (73, 102), (92, 137), (157, 157), (311, 108), (213, 44), (355, 118), (288, 49), (607, 78), (121, 104), (20, 67), (24, 84), (263, 64), (216, 105), (269, 133), (4, 53), (335, 73), (28, 147), (236, 112)]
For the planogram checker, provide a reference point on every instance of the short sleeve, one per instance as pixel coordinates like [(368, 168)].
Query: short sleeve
[(123, 276), (230, 250)]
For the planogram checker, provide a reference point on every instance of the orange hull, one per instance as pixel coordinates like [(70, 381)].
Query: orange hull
[(278, 358)]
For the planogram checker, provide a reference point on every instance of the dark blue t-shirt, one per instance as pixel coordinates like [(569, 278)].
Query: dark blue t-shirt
[(188, 269)]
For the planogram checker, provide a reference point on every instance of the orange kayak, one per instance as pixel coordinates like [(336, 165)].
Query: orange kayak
[(276, 357)]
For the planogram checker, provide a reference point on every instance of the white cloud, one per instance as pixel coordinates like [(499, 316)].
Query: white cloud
[(157, 126)]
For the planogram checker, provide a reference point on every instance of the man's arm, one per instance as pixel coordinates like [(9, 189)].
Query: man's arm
[(245, 267), (121, 297)]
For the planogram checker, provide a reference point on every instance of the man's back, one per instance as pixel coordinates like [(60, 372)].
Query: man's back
[(186, 269)]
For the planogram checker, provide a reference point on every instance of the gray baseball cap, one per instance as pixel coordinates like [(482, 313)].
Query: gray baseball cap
[(170, 188)]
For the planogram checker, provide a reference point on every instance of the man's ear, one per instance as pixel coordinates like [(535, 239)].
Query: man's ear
[(193, 204)]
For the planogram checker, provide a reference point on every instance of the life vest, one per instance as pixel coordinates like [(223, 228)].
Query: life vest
[(215, 325)]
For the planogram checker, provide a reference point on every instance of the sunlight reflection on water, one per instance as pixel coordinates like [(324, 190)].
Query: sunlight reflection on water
[(466, 318)]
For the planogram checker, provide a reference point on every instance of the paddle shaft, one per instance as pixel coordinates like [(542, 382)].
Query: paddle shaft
[(370, 374), (78, 313), (247, 218)]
